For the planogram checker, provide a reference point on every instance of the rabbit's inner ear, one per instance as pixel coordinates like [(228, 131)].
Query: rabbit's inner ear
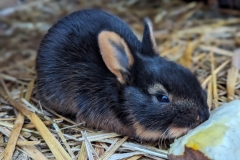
[(115, 53), (149, 45)]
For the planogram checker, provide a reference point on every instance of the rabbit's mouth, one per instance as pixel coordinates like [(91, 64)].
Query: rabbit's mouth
[(170, 133), (174, 132)]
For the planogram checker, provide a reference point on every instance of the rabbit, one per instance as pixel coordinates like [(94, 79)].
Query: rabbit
[(91, 66)]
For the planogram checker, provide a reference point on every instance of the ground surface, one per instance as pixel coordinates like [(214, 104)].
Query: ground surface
[(203, 39)]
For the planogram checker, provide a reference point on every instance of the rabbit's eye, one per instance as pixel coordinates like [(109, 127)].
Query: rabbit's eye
[(163, 98)]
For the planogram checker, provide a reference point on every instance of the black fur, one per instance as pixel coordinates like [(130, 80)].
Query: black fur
[(73, 79)]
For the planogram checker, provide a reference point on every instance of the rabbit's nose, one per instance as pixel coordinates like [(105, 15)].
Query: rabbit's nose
[(203, 116)]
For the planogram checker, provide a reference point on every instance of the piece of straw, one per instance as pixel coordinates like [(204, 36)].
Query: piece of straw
[(108, 153), (14, 137), (82, 152), (32, 151), (214, 80), (51, 141)]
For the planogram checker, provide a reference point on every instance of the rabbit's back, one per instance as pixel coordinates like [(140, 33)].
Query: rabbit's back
[(71, 72)]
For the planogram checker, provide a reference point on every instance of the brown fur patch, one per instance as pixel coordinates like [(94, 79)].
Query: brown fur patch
[(110, 124), (198, 118), (175, 132), (109, 54), (145, 134), (156, 88), (149, 23)]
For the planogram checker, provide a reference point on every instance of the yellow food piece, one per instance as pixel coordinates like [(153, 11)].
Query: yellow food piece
[(218, 138), (207, 136)]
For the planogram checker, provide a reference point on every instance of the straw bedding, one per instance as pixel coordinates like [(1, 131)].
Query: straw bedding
[(203, 39)]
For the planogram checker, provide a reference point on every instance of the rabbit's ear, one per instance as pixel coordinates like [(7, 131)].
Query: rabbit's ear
[(149, 45), (115, 53)]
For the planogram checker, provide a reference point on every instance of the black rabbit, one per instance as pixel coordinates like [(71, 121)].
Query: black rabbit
[(91, 65)]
